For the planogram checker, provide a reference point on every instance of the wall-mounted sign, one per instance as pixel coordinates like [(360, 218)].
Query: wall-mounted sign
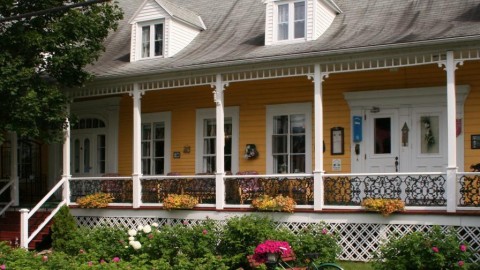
[(357, 128), (337, 165), (476, 141), (336, 135)]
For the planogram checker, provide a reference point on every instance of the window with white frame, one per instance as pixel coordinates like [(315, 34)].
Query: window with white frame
[(291, 20), (206, 140), (151, 41), (289, 138), (155, 143)]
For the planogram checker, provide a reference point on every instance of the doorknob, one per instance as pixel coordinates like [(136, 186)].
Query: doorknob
[(396, 164)]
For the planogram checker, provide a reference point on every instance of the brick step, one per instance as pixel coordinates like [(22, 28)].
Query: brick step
[(10, 228)]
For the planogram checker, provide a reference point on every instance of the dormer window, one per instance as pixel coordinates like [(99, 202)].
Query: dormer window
[(291, 21), (152, 40)]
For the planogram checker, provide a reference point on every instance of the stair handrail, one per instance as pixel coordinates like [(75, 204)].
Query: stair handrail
[(5, 208), (26, 214)]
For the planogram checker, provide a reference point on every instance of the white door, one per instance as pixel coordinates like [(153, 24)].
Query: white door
[(88, 154), (382, 141), (429, 139)]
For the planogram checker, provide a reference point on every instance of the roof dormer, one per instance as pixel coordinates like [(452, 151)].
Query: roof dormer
[(289, 21), (162, 29)]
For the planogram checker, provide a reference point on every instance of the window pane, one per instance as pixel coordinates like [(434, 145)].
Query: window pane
[(297, 123), (159, 166), (146, 41), (209, 129), (280, 124), (209, 164), (145, 149), (101, 145), (283, 22), (146, 132), (159, 131), (298, 163), (383, 137), (297, 144), (76, 156), (159, 149), (228, 164), (279, 144), (86, 155), (280, 163), (299, 31), (429, 134), (209, 146), (146, 166), (158, 39)]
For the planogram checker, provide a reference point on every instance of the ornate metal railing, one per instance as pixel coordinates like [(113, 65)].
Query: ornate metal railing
[(120, 187), (469, 189), (415, 189), (156, 188), (242, 189)]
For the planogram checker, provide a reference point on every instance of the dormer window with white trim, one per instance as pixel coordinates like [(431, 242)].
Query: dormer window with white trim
[(291, 20), (152, 40), (161, 29)]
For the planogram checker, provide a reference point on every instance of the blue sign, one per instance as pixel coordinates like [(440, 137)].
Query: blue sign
[(357, 128)]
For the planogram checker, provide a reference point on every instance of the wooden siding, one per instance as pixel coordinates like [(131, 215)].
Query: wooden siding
[(180, 36), (253, 97), (151, 11), (269, 23), (324, 16)]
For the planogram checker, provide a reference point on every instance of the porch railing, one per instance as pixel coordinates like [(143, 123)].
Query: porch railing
[(5, 196), (418, 190)]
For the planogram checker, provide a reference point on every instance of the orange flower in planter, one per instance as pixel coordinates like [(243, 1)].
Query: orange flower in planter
[(96, 200), (179, 201), (279, 203), (384, 206)]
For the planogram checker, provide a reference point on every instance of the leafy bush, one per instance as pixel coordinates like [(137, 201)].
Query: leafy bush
[(95, 200), (64, 229), (433, 250), (316, 238)]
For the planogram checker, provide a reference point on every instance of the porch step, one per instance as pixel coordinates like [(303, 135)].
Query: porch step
[(10, 228)]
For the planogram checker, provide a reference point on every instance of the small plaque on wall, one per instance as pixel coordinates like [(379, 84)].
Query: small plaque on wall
[(336, 135), (476, 141)]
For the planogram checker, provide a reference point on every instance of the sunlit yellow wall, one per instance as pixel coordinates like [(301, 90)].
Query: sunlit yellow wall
[(253, 97)]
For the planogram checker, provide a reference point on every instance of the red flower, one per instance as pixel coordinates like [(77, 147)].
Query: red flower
[(435, 249), (463, 247), (204, 232), (461, 263), (271, 246)]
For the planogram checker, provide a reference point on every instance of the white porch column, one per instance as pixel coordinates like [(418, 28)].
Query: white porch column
[(14, 189), (318, 196), (137, 145), (450, 67), (220, 142), (66, 160)]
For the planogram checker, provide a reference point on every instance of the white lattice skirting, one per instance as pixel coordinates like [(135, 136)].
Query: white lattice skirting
[(358, 240)]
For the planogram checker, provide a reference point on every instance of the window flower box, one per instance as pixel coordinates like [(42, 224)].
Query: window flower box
[(384, 206), (179, 201), (279, 203)]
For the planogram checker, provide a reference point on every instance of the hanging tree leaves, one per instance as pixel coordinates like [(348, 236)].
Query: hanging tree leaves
[(44, 48)]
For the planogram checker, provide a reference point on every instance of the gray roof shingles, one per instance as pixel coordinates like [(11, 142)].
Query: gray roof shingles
[(236, 30)]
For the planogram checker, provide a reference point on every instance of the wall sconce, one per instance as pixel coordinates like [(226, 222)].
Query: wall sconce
[(375, 110), (186, 149), (251, 151)]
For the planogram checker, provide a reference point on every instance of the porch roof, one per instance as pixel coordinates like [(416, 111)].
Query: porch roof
[(236, 31)]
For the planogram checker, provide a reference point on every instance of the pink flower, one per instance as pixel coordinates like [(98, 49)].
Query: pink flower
[(463, 247), (150, 236), (45, 258), (102, 261), (90, 263), (116, 259), (461, 263), (81, 251), (3, 267), (435, 249), (204, 232), (324, 231)]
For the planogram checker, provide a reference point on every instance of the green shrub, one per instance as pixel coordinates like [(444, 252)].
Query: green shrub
[(64, 229), (316, 238), (433, 250), (242, 234)]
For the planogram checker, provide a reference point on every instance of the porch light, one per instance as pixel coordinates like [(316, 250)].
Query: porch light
[(375, 110)]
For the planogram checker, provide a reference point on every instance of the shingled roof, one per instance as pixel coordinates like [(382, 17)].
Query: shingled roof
[(236, 30)]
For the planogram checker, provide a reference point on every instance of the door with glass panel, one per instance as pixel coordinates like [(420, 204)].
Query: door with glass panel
[(153, 148), (88, 154), (209, 145), (288, 143), (382, 141)]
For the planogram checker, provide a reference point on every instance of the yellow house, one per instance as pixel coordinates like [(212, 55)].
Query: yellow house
[(326, 101)]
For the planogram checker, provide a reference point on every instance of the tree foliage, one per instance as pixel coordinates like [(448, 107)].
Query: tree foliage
[(42, 56)]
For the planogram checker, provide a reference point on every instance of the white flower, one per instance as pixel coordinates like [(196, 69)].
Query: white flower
[(136, 245), (131, 238), (154, 224), (140, 228), (147, 229), (131, 243), (132, 232)]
